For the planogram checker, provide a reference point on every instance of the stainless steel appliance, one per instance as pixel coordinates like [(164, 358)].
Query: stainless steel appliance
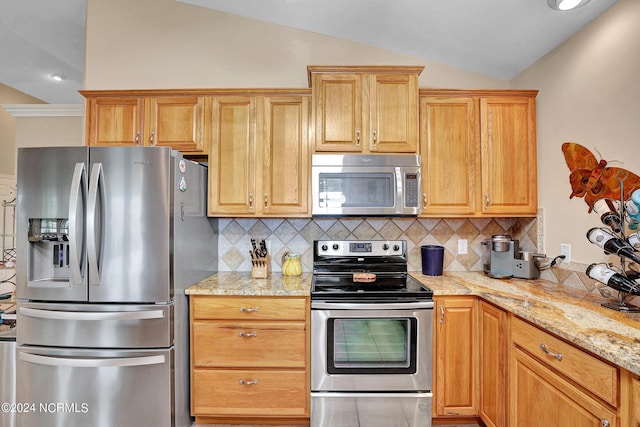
[(371, 337), (108, 240), (362, 184), (503, 259), (8, 377)]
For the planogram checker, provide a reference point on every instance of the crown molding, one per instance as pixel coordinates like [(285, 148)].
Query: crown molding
[(44, 110)]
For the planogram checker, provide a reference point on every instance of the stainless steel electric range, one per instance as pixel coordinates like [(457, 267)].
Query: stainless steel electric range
[(371, 337)]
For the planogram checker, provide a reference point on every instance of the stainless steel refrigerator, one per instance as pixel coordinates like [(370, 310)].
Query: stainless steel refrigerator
[(108, 240)]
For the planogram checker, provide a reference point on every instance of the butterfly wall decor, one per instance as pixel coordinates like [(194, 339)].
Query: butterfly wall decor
[(592, 179)]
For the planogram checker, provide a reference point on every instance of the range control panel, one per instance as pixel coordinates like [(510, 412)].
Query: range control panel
[(360, 248)]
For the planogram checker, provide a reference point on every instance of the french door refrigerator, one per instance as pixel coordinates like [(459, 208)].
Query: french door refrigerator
[(108, 240)]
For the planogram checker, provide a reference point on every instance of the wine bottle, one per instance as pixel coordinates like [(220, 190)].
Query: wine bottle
[(602, 273), (612, 244), (634, 240), (608, 211), (633, 210)]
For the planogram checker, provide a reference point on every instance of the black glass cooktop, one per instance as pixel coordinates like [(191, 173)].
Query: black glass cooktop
[(343, 287)]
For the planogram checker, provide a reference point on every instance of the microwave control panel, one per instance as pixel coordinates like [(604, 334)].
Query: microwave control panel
[(411, 190)]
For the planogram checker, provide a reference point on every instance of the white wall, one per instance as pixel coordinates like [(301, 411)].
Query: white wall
[(589, 94), (148, 44)]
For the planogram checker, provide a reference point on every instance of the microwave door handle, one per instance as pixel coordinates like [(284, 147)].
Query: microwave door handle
[(76, 235), (92, 363), (95, 182), (399, 190)]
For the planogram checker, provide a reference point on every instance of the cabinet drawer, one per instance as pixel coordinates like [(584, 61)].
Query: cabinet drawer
[(255, 344), (269, 393), (595, 375), (256, 308)]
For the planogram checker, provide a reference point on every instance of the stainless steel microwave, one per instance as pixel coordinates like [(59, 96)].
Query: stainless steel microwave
[(366, 185)]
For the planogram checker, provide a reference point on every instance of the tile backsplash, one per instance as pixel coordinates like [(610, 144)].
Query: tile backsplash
[(297, 236)]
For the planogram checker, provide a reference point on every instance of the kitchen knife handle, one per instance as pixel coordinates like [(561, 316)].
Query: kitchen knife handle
[(75, 244)]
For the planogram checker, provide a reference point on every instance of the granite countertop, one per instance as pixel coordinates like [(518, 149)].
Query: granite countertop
[(572, 314), (242, 284)]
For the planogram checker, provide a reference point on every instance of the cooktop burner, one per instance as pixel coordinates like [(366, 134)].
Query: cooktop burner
[(364, 270)]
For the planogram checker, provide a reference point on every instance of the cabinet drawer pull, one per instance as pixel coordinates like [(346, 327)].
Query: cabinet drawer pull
[(442, 314), (550, 353), (487, 201), (358, 138), (424, 200), (152, 138), (138, 138), (247, 334), (250, 200), (375, 138), (604, 422), (248, 309), (243, 382)]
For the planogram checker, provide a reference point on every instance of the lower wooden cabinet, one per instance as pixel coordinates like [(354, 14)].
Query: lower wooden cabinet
[(493, 365), (249, 359), (635, 402), (553, 383), (455, 357)]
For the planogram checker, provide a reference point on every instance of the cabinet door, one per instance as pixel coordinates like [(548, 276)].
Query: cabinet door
[(509, 167), (541, 398), (635, 402), (177, 122), (232, 163), (450, 150), (456, 360), (338, 112), (115, 121), (285, 161), (393, 113), (493, 365)]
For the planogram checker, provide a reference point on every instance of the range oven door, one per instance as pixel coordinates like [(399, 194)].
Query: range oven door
[(371, 346)]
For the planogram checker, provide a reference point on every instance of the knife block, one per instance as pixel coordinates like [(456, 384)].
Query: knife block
[(261, 268)]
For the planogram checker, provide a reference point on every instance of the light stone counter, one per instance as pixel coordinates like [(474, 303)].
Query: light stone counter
[(241, 284), (572, 314)]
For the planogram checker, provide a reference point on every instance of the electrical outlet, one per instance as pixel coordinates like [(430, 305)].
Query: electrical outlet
[(565, 249), (462, 246)]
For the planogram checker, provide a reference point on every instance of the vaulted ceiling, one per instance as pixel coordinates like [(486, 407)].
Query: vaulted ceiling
[(498, 38)]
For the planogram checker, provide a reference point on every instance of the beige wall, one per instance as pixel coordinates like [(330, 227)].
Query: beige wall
[(8, 127), (49, 131), (589, 93), (166, 44)]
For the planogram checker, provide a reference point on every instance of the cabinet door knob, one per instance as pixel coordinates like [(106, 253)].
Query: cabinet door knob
[(138, 138), (152, 137)]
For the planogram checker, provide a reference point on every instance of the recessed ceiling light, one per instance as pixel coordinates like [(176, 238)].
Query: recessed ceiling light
[(566, 4), (57, 77)]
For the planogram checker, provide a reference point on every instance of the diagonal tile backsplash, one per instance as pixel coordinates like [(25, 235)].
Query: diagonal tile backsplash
[(297, 236)]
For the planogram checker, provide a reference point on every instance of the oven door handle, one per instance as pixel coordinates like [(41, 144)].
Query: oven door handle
[(371, 306)]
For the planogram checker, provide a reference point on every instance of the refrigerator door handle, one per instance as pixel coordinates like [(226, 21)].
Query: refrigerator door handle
[(76, 243), (92, 315), (95, 182), (92, 363)]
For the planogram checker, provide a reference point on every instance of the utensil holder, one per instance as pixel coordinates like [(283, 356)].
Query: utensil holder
[(261, 267)]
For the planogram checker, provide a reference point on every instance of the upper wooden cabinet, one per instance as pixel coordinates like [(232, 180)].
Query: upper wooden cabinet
[(259, 156), (146, 118), (478, 153), (365, 109)]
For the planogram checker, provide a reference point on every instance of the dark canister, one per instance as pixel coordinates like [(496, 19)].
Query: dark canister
[(432, 259)]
